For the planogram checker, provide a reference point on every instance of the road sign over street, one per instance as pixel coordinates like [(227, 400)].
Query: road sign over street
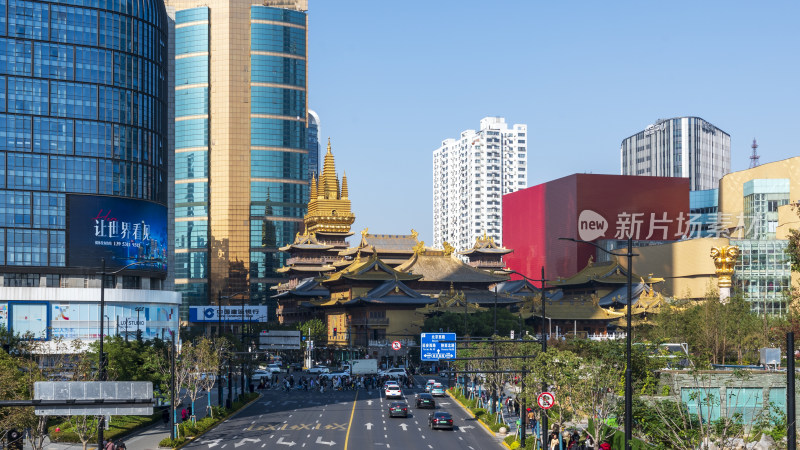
[(117, 393), (436, 346)]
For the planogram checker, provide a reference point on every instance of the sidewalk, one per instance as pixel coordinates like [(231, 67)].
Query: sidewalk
[(143, 439)]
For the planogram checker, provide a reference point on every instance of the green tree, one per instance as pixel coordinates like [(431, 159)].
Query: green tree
[(319, 330), (199, 361)]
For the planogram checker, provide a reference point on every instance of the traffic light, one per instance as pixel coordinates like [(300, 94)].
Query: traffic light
[(334, 332)]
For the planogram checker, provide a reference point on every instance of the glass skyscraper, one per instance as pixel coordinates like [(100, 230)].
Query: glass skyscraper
[(83, 166), (240, 143)]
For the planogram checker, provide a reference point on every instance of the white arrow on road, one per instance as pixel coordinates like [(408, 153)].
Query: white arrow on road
[(464, 428), (368, 425), (444, 403), (404, 426), (282, 442), (211, 442), (369, 402), (320, 441), (242, 442)]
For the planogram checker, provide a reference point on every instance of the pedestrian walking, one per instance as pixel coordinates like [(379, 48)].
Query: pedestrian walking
[(184, 415)]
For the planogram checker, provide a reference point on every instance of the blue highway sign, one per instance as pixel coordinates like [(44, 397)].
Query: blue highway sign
[(436, 346)]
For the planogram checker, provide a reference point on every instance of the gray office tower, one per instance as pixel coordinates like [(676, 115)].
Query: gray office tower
[(687, 147)]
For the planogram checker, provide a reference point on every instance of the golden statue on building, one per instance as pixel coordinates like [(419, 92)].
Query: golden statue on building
[(725, 261)]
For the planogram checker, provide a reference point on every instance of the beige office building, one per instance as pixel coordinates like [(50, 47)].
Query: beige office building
[(755, 213)]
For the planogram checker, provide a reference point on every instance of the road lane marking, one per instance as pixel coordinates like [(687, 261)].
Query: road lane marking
[(350, 424)]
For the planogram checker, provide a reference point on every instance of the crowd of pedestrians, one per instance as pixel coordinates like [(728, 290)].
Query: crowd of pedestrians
[(322, 382)]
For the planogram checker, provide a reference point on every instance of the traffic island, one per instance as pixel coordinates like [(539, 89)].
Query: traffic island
[(486, 419)]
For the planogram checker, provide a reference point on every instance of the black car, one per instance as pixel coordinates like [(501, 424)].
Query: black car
[(425, 400), (296, 366), (398, 409), (440, 419)]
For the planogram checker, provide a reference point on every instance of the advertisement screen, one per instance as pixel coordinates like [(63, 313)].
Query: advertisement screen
[(123, 231)]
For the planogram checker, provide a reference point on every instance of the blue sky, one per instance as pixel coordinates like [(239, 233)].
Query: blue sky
[(392, 79)]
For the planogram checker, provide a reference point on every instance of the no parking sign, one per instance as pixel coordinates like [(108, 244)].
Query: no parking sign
[(546, 400), (396, 345)]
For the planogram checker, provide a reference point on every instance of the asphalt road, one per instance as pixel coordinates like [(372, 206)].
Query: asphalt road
[(354, 420)]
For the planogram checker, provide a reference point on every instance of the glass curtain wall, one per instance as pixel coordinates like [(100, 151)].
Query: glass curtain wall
[(81, 111), (279, 174), (192, 155)]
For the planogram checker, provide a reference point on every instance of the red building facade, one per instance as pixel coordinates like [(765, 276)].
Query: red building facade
[(592, 208)]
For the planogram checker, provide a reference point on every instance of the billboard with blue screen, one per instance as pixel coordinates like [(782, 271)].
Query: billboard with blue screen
[(123, 231)]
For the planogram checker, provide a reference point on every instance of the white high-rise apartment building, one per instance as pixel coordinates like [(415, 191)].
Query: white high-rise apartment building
[(687, 147), (470, 176)]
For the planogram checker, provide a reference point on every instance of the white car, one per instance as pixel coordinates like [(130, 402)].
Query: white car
[(393, 391), (318, 369), (395, 373), (259, 374), (429, 385), (274, 368)]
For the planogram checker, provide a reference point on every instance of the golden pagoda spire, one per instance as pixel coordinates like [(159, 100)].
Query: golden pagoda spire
[(328, 182), (329, 208), (345, 193), (313, 187)]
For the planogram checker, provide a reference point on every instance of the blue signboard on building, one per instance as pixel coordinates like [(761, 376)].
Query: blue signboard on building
[(436, 346), (121, 230), (228, 313)]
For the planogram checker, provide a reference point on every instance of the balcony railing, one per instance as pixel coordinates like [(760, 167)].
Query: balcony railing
[(378, 321), (302, 260), (498, 264)]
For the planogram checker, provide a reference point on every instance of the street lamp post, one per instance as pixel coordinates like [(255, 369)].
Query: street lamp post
[(219, 332), (241, 329), (628, 385), (173, 397), (101, 371), (495, 309), (523, 415)]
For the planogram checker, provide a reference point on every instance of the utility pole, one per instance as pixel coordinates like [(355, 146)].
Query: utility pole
[(545, 429), (101, 371), (173, 414), (219, 340)]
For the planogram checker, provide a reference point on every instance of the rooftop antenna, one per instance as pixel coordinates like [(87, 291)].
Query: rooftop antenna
[(754, 156)]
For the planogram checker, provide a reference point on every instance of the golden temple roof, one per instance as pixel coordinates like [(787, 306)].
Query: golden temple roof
[(385, 244), (369, 269), (486, 245), (436, 265), (306, 241), (607, 272)]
